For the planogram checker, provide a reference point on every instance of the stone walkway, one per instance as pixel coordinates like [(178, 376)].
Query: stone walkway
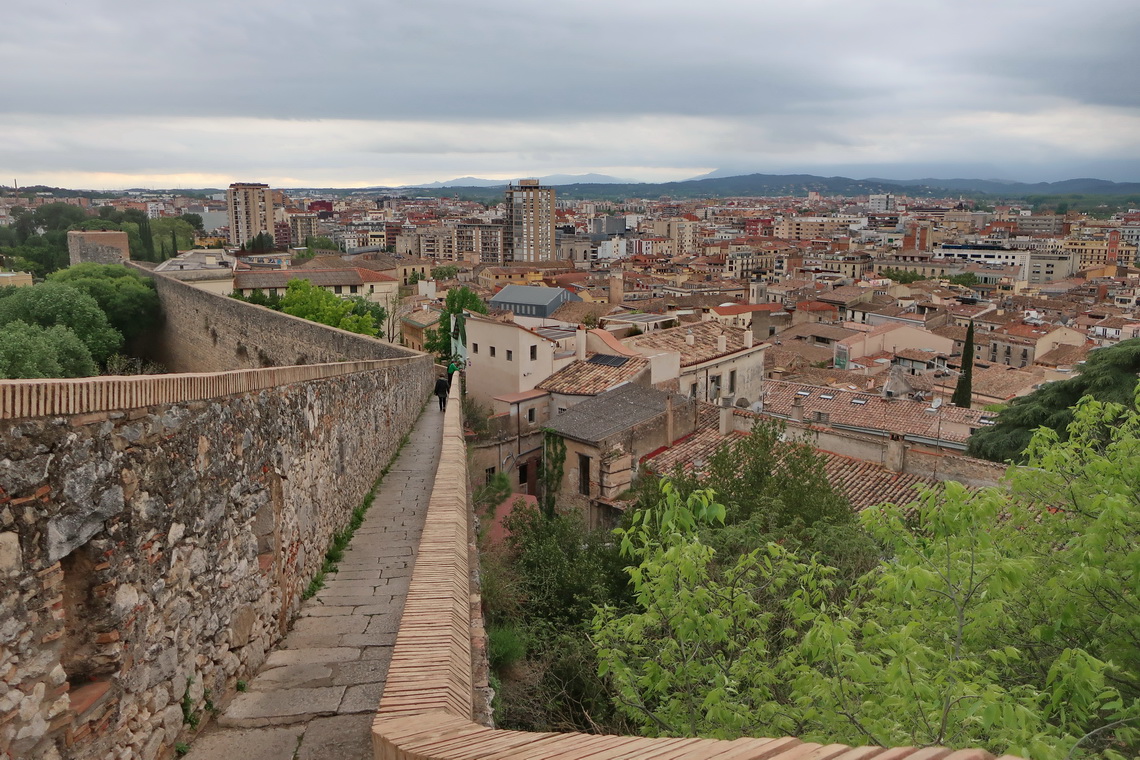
[(317, 694)]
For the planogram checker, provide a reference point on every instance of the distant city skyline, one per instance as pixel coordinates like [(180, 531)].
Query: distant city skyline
[(110, 95)]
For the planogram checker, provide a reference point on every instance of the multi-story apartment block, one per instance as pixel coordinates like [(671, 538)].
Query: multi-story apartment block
[(302, 226), (530, 222), (250, 206), (480, 243), (1101, 250), (812, 227)]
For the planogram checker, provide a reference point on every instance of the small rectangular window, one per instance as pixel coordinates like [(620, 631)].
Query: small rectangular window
[(583, 475), (474, 348), (533, 353), (490, 472), (338, 289), (492, 352), (530, 415), (510, 355)]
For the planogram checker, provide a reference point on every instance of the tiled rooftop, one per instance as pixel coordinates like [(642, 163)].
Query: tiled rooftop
[(870, 411), (704, 345), (591, 377)]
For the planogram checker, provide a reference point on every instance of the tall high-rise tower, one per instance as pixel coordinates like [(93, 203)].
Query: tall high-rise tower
[(251, 211), (530, 222)]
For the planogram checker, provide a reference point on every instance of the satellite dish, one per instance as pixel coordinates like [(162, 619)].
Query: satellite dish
[(937, 403)]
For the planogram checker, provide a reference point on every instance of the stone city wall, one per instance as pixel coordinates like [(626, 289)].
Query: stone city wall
[(98, 246), (205, 332), (151, 555)]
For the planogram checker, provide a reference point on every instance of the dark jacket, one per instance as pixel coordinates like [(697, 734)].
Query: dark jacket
[(441, 386)]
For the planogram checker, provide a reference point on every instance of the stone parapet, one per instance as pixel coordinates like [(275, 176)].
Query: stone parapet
[(157, 534)]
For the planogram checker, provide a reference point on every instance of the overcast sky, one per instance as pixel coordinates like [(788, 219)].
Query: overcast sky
[(124, 93)]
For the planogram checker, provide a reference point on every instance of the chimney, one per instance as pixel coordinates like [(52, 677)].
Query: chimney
[(798, 409), (726, 426), (722, 344), (896, 454), (580, 343), (748, 337), (689, 339), (669, 420)]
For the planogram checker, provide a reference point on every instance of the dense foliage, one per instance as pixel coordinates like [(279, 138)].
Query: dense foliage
[(307, 301), (1109, 374), (33, 351), (546, 581), (76, 322), (127, 298), (1006, 618), (55, 303)]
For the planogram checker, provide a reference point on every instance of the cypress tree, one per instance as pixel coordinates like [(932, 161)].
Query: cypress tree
[(147, 239), (173, 243), (963, 392)]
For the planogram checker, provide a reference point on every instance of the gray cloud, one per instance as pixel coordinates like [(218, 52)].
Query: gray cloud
[(441, 88)]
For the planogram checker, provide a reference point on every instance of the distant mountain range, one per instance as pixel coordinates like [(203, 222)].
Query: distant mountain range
[(550, 179), (788, 185)]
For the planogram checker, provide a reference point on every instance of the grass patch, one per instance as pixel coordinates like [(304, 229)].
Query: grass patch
[(341, 539), (506, 645)]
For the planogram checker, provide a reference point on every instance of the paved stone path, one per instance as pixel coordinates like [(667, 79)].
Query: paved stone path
[(317, 694)]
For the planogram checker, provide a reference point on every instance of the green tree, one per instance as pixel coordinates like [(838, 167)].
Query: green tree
[(966, 279), (964, 390), (147, 236), (361, 306), (194, 220), (177, 234), (901, 276), (1006, 618), (305, 300), (32, 351), (56, 303), (319, 243), (458, 300), (58, 216), (1109, 374), (445, 272), (696, 656), (262, 242), (127, 298)]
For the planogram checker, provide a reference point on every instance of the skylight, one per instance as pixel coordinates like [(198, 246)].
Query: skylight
[(859, 401)]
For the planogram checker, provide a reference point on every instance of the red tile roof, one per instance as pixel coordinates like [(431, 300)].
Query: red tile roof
[(586, 378)]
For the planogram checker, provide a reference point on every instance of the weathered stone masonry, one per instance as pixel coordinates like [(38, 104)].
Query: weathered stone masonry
[(151, 555)]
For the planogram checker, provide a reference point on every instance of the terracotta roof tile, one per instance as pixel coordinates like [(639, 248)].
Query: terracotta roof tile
[(594, 376), (864, 410), (705, 343)]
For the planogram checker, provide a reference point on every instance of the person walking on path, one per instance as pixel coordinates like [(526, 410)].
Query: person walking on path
[(451, 370), (441, 389)]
